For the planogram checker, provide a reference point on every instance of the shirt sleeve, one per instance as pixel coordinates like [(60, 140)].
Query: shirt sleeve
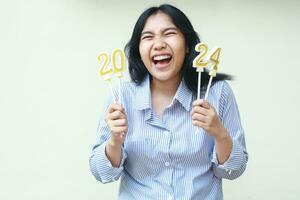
[(230, 117), (100, 165)]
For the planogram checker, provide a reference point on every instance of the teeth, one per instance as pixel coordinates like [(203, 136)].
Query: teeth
[(162, 57)]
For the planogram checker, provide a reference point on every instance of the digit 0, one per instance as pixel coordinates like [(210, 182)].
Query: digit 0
[(118, 66)]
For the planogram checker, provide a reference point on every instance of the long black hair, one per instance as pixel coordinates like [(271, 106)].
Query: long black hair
[(137, 69)]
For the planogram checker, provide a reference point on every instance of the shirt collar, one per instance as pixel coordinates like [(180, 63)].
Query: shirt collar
[(184, 95), (143, 101)]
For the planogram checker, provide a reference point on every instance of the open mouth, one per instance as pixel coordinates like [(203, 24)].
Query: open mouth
[(161, 60)]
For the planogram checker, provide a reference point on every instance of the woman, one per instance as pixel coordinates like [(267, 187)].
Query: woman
[(149, 141)]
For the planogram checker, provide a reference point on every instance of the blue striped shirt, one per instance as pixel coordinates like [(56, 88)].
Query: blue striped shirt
[(163, 158)]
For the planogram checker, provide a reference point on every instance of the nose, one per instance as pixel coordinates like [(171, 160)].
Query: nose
[(159, 45)]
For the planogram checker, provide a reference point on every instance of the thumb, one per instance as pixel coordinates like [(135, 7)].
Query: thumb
[(205, 104)]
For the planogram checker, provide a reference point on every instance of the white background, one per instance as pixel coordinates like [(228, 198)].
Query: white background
[(51, 95)]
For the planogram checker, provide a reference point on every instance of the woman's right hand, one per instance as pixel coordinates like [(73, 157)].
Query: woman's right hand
[(116, 120)]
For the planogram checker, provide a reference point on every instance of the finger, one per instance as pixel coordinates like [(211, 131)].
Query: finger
[(201, 102), (205, 104), (118, 129), (121, 135), (198, 102), (114, 106), (200, 110), (199, 117), (199, 124), (118, 122), (116, 115)]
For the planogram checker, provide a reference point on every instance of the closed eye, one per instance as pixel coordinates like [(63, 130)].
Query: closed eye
[(146, 37), (170, 33)]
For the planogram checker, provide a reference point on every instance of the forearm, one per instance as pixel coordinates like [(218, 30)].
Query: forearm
[(230, 157), (101, 167), (223, 146), (114, 153)]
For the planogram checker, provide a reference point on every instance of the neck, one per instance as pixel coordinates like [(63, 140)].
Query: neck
[(166, 88)]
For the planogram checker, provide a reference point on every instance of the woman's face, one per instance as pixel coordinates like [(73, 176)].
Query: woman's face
[(162, 47)]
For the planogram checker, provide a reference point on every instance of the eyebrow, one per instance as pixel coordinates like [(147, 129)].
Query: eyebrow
[(167, 29)]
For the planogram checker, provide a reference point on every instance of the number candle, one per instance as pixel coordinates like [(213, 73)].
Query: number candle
[(199, 63), (118, 68), (214, 61), (105, 71)]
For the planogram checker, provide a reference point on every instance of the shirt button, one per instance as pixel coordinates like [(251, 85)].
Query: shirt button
[(170, 197), (167, 164), (166, 133)]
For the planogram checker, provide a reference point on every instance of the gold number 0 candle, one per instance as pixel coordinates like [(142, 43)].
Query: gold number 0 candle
[(118, 67)]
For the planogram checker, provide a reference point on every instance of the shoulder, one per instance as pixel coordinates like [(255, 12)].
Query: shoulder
[(129, 88), (129, 91), (222, 89), (224, 94)]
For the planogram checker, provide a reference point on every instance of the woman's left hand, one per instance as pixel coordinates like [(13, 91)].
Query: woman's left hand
[(205, 116)]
